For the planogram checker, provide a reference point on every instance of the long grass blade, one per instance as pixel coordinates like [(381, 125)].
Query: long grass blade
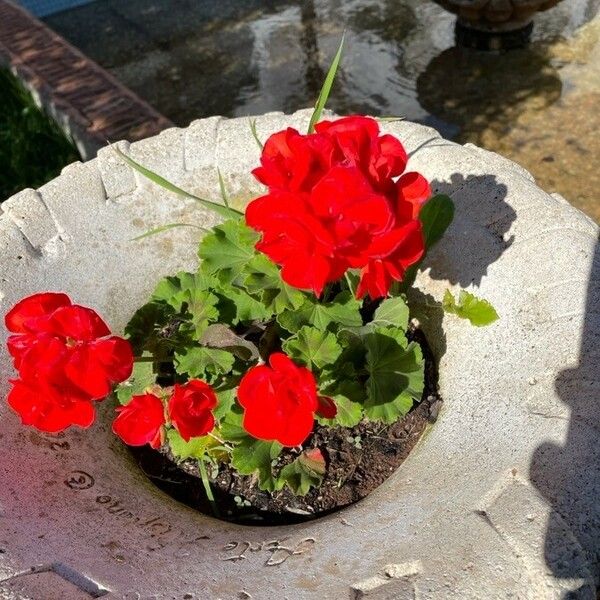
[(252, 123), (224, 211), (165, 228), (224, 195), (327, 85)]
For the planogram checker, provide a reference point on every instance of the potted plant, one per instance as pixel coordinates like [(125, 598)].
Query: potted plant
[(284, 377)]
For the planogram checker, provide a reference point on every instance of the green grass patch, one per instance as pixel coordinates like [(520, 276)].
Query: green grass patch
[(33, 149)]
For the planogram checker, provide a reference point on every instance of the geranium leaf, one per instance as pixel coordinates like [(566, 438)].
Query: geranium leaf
[(436, 216), (196, 448), (343, 311), (230, 427), (190, 292), (305, 472), (327, 85), (225, 402), (204, 363), (349, 397), (392, 311), (396, 374), (477, 310), (264, 277), (227, 249), (313, 347), (255, 456), (143, 330), (242, 306), (143, 376), (222, 336), (224, 211), (172, 289)]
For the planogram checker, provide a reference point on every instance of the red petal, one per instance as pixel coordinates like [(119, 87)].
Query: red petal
[(190, 409), (22, 317), (140, 421), (327, 408), (413, 191), (78, 323), (46, 409)]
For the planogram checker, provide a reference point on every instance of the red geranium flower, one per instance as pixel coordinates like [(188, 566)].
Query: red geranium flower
[(338, 199), (358, 143), (190, 409), (141, 421), (63, 350), (280, 401), (47, 408), (294, 162)]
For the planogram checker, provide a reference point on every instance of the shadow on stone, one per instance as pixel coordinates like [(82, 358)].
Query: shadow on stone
[(569, 476), (479, 200)]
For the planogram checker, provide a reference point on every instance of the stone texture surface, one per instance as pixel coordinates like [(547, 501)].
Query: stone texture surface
[(499, 500), (88, 103)]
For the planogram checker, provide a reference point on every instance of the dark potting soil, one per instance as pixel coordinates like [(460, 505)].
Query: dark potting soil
[(358, 460)]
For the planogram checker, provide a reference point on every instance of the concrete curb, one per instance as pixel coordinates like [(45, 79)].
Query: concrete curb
[(499, 500)]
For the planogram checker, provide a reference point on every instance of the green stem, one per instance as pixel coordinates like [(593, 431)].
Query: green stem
[(144, 359), (207, 488), (349, 282)]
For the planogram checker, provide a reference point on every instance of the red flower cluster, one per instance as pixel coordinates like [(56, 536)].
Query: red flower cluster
[(66, 359), (280, 401), (339, 199), (142, 420)]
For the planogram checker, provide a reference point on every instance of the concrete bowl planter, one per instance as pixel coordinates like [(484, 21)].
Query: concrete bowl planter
[(498, 500)]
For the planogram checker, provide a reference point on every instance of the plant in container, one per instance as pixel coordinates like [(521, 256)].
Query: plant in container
[(284, 378)]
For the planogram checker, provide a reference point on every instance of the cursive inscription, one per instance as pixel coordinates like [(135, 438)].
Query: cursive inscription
[(278, 550)]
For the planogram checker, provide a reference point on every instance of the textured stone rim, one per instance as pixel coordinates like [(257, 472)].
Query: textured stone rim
[(498, 499)]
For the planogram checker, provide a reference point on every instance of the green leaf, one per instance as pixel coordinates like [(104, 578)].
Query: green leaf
[(264, 277), (224, 195), (326, 89), (252, 123), (314, 348), (143, 329), (227, 250), (164, 228), (349, 397), (396, 375), (224, 211), (204, 363), (143, 376), (305, 472), (343, 311), (189, 291), (197, 447), (436, 216), (225, 402), (244, 307), (255, 456), (479, 312), (222, 336), (230, 427), (392, 311)]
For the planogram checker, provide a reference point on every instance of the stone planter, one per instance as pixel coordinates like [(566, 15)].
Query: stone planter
[(499, 499)]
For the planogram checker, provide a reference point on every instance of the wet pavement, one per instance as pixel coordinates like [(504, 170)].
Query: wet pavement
[(192, 59)]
